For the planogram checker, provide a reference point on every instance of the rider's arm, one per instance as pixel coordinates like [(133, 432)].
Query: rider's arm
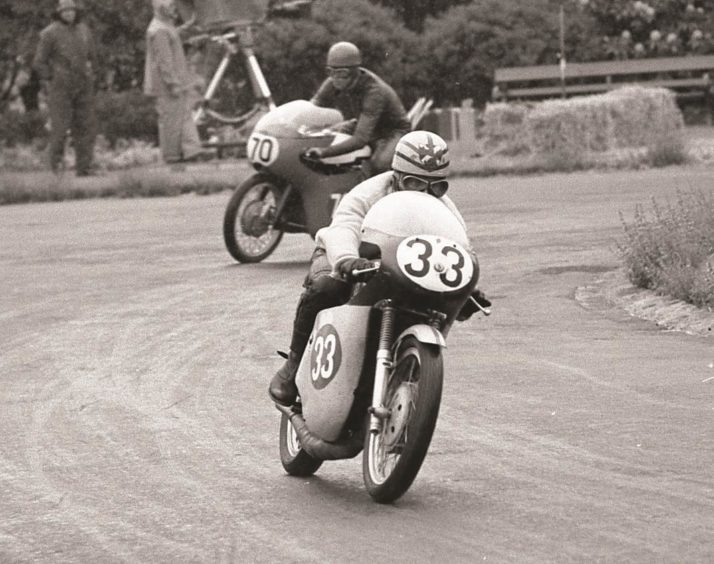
[(341, 239), (324, 94), (372, 109)]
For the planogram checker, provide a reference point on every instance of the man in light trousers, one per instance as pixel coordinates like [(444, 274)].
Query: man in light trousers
[(167, 78)]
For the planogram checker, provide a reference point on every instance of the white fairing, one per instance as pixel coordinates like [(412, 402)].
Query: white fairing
[(435, 263), (402, 214), (299, 115), (330, 368), (418, 234)]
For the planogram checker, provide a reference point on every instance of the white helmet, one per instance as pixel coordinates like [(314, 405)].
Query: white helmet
[(422, 153)]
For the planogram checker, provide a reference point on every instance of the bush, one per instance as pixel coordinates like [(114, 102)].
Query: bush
[(20, 128), (120, 115), (671, 249), (126, 115)]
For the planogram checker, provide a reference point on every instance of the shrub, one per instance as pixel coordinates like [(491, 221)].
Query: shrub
[(20, 128), (670, 249), (126, 115)]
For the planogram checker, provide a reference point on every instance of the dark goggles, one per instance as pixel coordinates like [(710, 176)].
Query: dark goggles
[(340, 72), (418, 184)]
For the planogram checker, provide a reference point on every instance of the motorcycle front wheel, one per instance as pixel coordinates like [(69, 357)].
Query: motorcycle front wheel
[(393, 456), (295, 461), (248, 223)]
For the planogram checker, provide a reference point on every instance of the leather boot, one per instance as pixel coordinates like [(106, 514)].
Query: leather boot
[(282, 387)]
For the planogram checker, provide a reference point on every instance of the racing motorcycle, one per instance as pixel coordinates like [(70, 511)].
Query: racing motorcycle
[(289, 193), (370, 378)]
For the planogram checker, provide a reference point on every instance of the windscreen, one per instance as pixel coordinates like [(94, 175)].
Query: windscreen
[(297, 118)]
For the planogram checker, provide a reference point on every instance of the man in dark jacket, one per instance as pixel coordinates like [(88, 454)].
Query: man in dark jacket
[(375, 115), (66, 61)]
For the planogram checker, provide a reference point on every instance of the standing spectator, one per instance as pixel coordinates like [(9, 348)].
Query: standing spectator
[(167, 78), (66, 61)]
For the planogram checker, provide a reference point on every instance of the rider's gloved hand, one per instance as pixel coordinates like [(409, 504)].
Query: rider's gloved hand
[(312, 153), (469, 308), (345, 268)]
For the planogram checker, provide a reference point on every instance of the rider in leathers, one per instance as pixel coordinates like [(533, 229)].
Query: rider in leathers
[(374, 114), (420, 162)]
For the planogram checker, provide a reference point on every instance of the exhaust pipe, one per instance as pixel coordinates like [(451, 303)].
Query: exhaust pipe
[(315, 446)]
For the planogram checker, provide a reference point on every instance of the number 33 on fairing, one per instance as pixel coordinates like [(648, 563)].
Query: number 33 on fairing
[(435, 263)]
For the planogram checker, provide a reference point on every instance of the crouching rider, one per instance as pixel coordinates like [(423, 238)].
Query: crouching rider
[(420, 163)]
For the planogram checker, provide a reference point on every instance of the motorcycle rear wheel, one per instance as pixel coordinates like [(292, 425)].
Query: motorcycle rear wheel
[(248, 223), (295, 461), (392, 457)]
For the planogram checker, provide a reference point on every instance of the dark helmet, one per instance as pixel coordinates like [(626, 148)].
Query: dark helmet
[(63, 5), (344, 54)]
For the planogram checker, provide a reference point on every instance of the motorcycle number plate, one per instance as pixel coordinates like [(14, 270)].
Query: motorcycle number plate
[(262, 149), (435, 263)]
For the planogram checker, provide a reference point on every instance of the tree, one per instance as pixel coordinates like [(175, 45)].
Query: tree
[(292, 52), (414, 12), (653, 28), (466, 44), (119, 26)]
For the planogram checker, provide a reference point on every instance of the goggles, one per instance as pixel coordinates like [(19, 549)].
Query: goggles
[(418, 184), (339, 72)]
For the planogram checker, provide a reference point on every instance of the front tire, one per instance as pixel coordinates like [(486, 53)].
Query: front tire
[(295, 461), (248, 224), (392, 457)]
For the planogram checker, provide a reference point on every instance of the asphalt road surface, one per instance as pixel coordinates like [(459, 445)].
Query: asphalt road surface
[(135, 356)]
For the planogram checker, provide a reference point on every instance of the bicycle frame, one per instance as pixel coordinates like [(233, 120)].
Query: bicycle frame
[(240, 39)]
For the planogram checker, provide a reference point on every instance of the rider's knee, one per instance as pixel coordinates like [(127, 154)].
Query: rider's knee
[(327, 291)]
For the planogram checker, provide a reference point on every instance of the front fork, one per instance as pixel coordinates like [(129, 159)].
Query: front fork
[(429, 332), (378, 411)]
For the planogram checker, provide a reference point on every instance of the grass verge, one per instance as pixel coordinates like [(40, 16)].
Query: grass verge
[(670, 248), (16, 188)]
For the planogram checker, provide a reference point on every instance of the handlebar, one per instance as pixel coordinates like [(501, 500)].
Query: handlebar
[(485, 310), (364, 274)]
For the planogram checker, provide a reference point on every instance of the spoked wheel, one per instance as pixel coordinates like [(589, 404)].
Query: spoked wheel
[(393, 456), (248, 224), (295, 460)]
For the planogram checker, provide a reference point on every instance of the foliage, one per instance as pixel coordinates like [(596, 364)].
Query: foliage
[(466, 43), (126, 115), (20, 128), (138, 183), (671, 248), (118, 26), (652, 28), (292, 52), (413, 13)]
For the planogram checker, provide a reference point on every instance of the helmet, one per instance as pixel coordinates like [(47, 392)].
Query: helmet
[(63, 5), (344, 54), (422, 153)]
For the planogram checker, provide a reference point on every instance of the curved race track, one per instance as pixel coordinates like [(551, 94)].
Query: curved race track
[(134, 359)]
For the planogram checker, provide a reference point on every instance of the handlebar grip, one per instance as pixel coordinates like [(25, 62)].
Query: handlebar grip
[(485, 310), (358, 273)]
